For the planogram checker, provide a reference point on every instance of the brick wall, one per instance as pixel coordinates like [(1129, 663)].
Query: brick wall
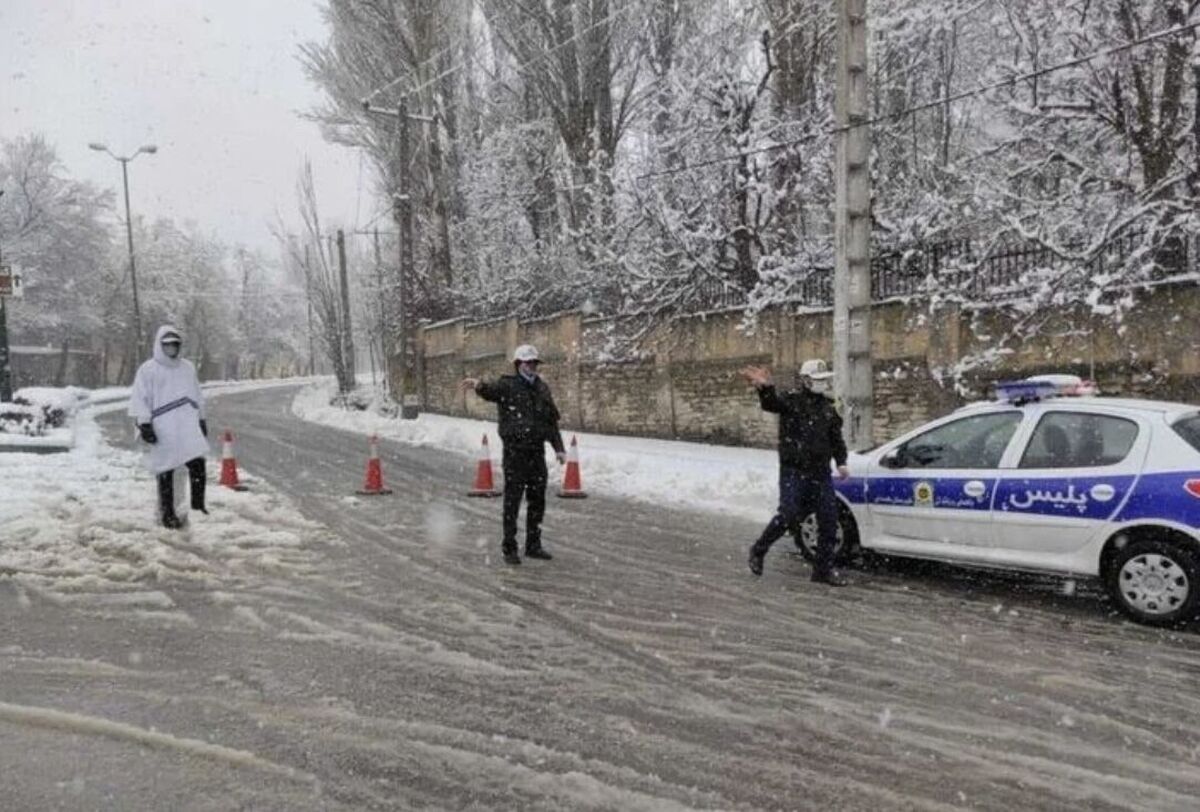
[(681, 379)]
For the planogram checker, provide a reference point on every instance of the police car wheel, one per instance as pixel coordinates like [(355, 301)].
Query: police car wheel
[(806, 538), (1156, 582)]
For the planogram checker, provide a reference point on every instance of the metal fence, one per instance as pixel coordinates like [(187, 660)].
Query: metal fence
[(958, 267)]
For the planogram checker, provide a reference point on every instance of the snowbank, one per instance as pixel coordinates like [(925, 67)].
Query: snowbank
[(695, 476), (80, 527)]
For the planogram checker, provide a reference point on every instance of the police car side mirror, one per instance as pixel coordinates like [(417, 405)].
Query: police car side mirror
[(892, 459)]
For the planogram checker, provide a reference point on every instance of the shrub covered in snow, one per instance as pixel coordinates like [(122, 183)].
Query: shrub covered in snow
[(34, 411)]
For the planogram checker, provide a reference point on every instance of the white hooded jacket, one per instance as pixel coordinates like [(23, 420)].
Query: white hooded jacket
[(166, 394)]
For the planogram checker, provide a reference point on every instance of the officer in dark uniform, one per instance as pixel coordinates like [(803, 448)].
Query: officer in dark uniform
[(528, 420), (810, 435)]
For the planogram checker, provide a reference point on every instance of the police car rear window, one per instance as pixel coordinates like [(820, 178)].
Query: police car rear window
[(1079, 440), (1189, 429)]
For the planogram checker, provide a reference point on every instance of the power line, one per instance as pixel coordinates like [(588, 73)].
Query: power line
[(1024, 77), (1168, 32)]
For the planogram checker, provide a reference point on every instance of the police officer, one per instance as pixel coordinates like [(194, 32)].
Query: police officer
[(528, 420), (810, 435)]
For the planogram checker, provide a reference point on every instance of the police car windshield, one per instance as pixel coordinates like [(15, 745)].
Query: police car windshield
[(1189, 429)]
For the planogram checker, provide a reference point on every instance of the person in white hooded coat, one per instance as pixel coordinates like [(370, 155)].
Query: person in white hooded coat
[(168, 407)]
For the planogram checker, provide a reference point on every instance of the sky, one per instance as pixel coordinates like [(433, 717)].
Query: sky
[(215, 84)]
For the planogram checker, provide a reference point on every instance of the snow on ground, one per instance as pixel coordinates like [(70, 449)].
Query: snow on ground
[(80, 526), (721, 479)]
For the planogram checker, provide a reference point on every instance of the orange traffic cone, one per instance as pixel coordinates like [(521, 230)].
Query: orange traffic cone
[(373, 485), (229, 469), (572, 487), (485, 484)]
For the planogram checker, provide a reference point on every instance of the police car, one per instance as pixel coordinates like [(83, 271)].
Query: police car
[(1046, 478)]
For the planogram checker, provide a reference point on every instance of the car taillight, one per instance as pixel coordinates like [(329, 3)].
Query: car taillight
[(1192, 486)]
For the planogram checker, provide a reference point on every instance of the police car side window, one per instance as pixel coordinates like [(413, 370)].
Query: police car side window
[(972, 442), (1189, 429), (1079, 440)]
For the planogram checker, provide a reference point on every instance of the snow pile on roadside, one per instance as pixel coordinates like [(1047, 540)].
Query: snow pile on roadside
[(41, 417), (719, 479), (80, 526)]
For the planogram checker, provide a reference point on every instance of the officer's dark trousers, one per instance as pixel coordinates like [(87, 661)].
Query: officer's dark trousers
[(800, 495), (197, 479), (525, 476)]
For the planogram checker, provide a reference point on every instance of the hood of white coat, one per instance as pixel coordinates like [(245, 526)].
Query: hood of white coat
[(160, 356)]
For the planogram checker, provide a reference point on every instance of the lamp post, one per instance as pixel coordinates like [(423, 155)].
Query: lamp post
[(149, 149)]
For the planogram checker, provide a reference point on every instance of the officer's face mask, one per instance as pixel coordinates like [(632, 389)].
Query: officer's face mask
[(822, 386), (171, 349), (528, 368)]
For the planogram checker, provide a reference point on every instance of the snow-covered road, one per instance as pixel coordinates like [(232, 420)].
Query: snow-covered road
[(393, 663)]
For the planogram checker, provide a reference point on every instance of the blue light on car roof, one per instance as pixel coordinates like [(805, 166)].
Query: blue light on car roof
[(1024, 391)]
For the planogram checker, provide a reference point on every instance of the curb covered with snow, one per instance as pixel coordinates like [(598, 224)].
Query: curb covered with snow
[(719, 479)]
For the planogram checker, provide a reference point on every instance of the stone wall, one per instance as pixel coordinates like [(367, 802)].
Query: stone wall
[(681, 379)]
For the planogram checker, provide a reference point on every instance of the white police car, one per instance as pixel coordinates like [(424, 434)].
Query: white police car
[(1047, 478)]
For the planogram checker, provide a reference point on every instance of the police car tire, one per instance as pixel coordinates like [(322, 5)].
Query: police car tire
[(1182, 556), (848, 540)]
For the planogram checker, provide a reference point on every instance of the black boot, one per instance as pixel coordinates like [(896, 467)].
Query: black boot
[(537, 551), (755, 559), (829, 577), (198, 480), (166, 501), (510, 553)]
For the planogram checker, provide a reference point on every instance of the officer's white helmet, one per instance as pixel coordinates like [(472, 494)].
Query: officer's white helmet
[(526, 352), (815, 369)]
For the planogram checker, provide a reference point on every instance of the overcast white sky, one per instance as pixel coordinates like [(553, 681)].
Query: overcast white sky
[(215, 84)]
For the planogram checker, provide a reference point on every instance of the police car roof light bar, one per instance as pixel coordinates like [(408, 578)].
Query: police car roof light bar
[(1042, 386)]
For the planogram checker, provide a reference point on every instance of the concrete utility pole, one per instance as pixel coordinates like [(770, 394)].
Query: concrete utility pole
[(312, 358), (854, 382), (6, 391), (402, 210), (383, 323), (347, 332), (404, 221)]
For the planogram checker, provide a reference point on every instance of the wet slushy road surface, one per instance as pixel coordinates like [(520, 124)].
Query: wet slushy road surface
[(396, 663)]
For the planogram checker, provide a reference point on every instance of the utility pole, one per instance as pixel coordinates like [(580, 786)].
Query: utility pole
[(404, 220), (402, 210), (312, 358), (383, 324), (854, 381), (6, 391), (347, 333)]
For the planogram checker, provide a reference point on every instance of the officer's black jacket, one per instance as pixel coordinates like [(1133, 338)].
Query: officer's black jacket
[(810, 430), (528, 416)]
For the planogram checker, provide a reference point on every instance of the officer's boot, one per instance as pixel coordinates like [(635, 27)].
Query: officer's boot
[(166, 501), (197, 480), (509, 550)]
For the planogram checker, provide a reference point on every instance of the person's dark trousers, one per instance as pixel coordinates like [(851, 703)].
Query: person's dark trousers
[(197, 481), (525, 476), (800, 495)]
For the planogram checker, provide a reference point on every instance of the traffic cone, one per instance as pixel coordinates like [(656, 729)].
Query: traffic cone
[(229, 469), (485, 484), (373, 485), (572, 487)]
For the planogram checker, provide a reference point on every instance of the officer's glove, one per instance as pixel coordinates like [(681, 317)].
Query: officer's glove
[(204, 427), (147, 432)]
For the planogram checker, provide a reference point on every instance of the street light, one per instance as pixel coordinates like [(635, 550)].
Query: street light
[(149, 149)]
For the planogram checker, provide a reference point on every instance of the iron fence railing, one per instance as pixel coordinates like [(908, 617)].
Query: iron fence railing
[(956, 266)]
